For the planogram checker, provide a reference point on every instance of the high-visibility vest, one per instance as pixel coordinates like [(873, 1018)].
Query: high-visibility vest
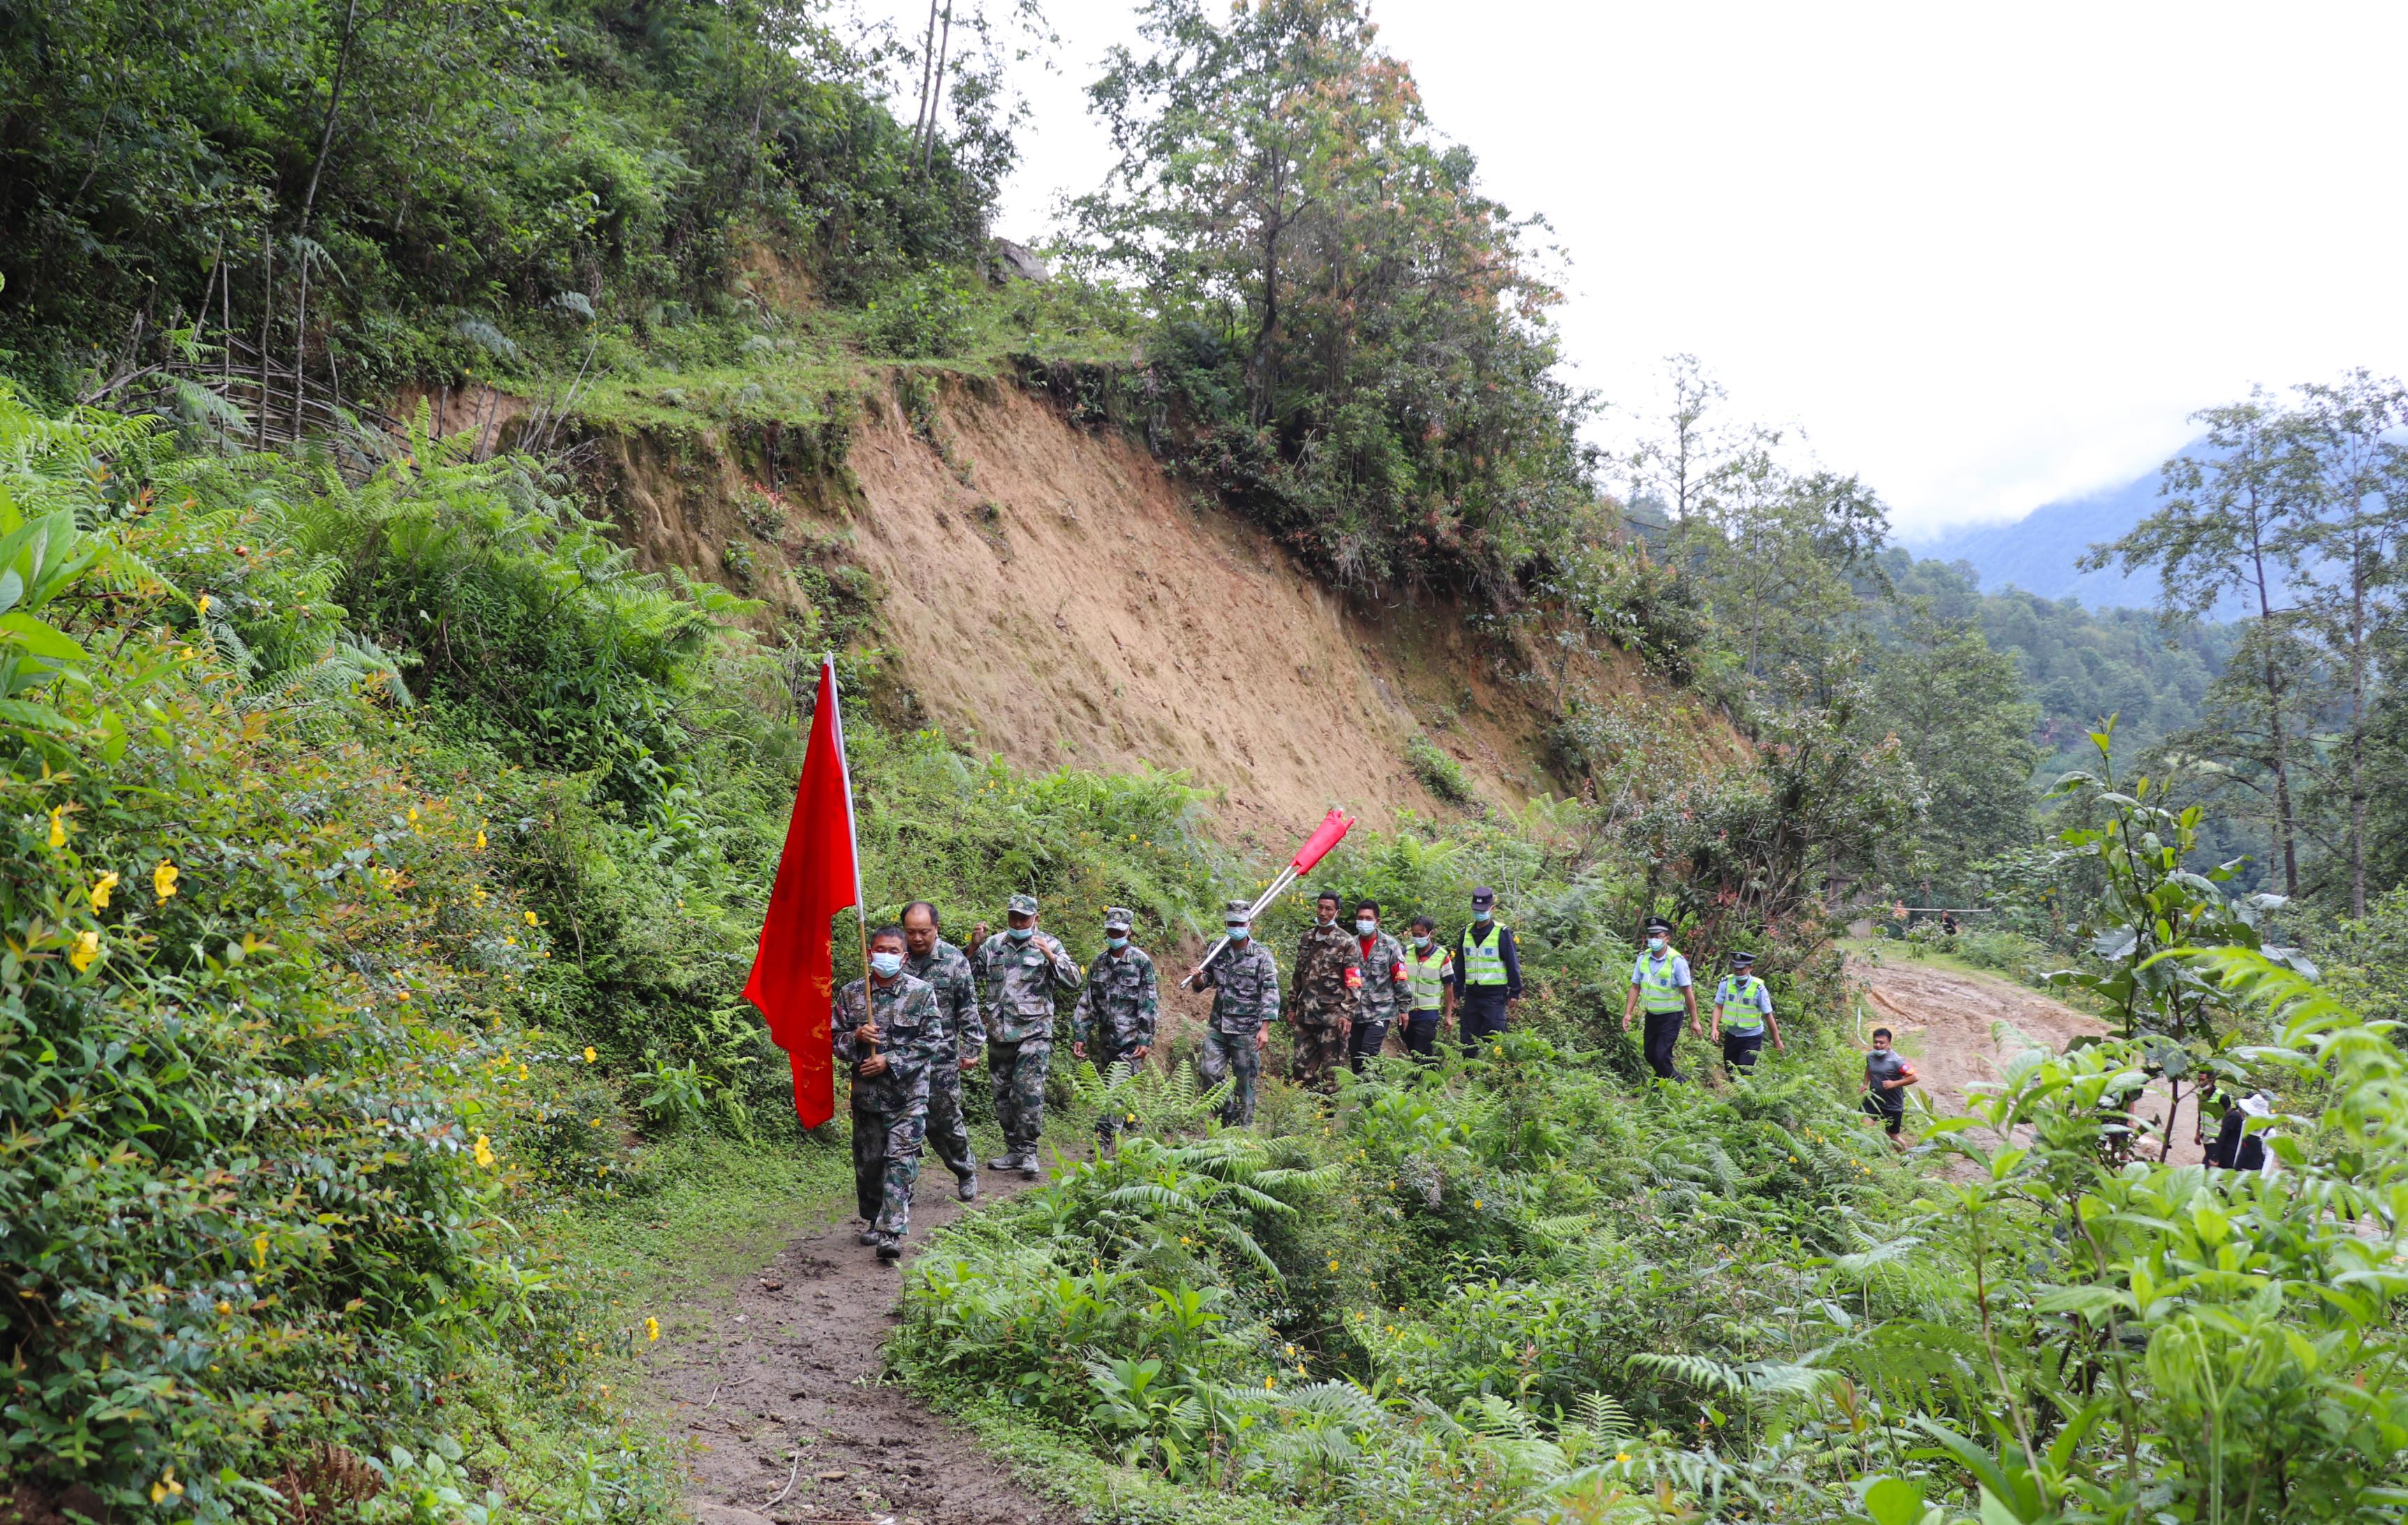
[(1735, 1004), (1484, 964), (1657, 991), (1425, 976)]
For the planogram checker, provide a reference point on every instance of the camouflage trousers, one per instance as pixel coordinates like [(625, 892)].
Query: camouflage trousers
[(1113, 1119), (1320, 1048), (949, 1132), (1232, 1057), (887, 1163), (1019, 1080)]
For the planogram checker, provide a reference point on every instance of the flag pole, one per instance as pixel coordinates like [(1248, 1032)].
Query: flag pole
[(860, 909)]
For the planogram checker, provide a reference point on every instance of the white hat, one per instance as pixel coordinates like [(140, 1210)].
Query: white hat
[(2254, 1105)]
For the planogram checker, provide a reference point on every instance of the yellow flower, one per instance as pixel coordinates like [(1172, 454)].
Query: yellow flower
[(258, 1253), (1333, 1264), (223, 1306), (163, 879), (57, 826), (1475, 1202), (201, 604), (100, 889), (1622, 1456), (87, 947), (1270, 1382), (530, 918), (480, 840), (589, 1059), (523, 1071), (413, 815), (485, 1152), (165, 1486), (652, 1329)]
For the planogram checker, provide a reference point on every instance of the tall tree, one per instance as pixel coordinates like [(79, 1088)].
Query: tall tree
[(1960, 711), (2351, 578), (2239, 516)]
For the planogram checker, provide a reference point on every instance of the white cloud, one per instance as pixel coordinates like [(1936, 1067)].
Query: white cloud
[(1984, 256)]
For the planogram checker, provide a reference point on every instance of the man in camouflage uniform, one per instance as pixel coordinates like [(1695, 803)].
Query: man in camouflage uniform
[(1384, 984), (1327, 996), (947, 970), (1020, 970), (1245, 1002), (887, 1032), (1116, 1012)]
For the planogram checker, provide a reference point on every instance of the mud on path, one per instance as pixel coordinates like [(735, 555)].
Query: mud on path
[(1959, 1027), (775, 1377)]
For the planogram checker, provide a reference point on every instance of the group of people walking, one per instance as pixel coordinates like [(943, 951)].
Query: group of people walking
[(929, 1012)]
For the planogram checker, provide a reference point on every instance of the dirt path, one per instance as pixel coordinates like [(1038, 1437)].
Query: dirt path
[(1959, 1027), (776, 1378)]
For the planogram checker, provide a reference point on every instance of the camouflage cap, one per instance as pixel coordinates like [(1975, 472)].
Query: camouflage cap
[(1239, 910), (1021, 905), (1117, 919)]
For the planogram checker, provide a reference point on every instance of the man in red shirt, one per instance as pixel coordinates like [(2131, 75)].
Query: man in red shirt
[(1383, 984)]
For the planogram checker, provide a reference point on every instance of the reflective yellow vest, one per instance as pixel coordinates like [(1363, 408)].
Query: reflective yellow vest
[(1658, 991), (1484, 962), (1735, 1004), (1425, 976)]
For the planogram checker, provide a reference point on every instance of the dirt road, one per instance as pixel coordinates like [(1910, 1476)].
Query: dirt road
[(1959, 1027), (774, 1379)]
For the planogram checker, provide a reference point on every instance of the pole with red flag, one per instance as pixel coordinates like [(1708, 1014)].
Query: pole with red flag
[(1332, 829), (818, 874)]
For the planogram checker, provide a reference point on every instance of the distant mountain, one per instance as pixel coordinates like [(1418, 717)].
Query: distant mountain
[(2037, 553)]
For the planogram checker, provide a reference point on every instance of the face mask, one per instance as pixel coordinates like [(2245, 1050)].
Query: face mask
[(1022, 935), (1366, 925), (1422, 943), (1483, 914), (1116, 943), (1655, 945), (1237, 935), (887, 966)]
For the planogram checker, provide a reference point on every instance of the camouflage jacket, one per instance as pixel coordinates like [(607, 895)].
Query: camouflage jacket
[(910, 1034), (1384, 992), (1019, 981), (1245, 983), (1328, 976), (1120, 994), (948, 969)]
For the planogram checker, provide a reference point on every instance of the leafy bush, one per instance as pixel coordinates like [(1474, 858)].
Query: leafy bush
[(1442, 774), (920, 317)]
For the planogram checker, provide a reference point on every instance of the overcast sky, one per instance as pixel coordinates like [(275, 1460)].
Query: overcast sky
[(1985, 256)]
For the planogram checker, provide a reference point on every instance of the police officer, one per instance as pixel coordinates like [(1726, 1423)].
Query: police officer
[(1327, 997), (1660, 979), (1021, 970), (1429, 985), (947, 969), (1742, 1012), (1117, 1011), (1244, 983), (1487, 972), (1384, 984), (887, 1030)]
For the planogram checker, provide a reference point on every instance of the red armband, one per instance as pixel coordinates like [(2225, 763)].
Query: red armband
[(1353, 977)]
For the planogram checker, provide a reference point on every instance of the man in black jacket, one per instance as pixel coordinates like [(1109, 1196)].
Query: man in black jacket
[(1487, 972)]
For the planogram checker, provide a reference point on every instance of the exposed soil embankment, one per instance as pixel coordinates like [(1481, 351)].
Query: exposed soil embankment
[(1047, 593)]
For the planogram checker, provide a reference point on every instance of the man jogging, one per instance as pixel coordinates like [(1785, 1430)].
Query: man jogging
[(1742, 1013), (1886, 1077), (1487, 972), (1660, 981)]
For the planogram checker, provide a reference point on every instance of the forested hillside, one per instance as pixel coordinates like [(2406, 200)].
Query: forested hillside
[(437, 443)]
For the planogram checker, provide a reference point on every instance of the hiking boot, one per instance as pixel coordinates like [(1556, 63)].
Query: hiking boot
[(1006, 1161), (890, 1248), (1029, 1168), (965, 1187), (868, 1237)]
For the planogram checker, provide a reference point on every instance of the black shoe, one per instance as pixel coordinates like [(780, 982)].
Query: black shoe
[(965, 1187), (890, 1248), (1029, 1168), (868, 1237), (1006, 1161)]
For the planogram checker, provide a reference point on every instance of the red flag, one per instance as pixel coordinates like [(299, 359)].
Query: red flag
[(818, 874), (1333, 827)]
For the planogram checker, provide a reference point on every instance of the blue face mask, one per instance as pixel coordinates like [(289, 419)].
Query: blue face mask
[(1655, 945), (1422, 943), (1116, 943), (1237, 935), (1483, 914), (886, 965), (1022, 935), (1365, 926)]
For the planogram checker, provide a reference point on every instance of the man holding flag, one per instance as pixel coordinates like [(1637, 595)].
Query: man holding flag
[(888, 1029)]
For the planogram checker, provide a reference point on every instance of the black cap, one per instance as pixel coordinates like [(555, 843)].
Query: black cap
[(1484, 896), (1741, 960), (1657, 923)]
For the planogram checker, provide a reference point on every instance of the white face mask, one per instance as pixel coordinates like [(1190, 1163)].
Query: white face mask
[(887, 966)]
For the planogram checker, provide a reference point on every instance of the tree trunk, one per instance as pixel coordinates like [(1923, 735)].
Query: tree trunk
[(2358, 791), (334, 107), (937, 90), (2283, 819), (266, 306), (300, 337), (927, 72)]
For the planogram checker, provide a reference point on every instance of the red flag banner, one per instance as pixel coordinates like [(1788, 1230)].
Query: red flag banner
[(1334, 827), (818, 874)]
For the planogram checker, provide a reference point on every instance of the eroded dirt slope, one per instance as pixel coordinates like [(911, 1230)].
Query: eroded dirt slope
[(1048, 593)]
